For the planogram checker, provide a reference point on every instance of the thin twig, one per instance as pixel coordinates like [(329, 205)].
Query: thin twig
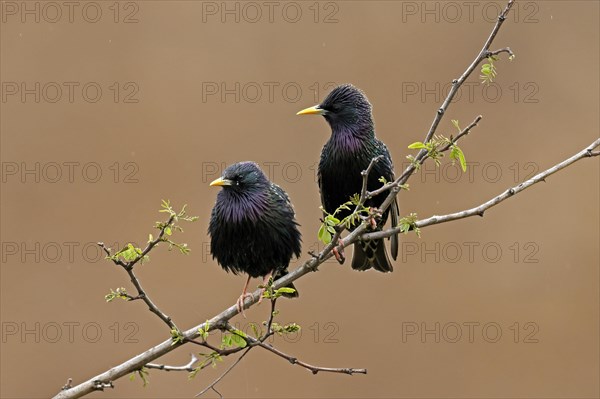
[(187, 367), (144, 297), (479, 210), (456, 83), (215, 382), (68, 385), (365, 178), (128, 267), (412, 168), (313, 369), (251, 343), (502, 50)]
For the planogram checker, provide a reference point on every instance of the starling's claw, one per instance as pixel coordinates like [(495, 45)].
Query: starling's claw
[(339, 254), (374, 213), (240, 302), (242, 298), (373, 223)]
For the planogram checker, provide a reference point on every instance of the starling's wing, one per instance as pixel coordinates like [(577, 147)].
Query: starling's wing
[(289, 214), (283, 199), (394, 209), (321, 192)]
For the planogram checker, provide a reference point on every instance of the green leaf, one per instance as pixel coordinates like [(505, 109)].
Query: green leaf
[(324, 235), (238, 341), (416, 145), (331, 220), (176, 337), (203, 331), (291, 328), (285, 290), (226, 341), (461, 159), (143, 373), (119, 293), (128, 253)]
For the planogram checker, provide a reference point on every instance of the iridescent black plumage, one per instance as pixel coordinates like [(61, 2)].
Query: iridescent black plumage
[(348, 152), (252, 225)]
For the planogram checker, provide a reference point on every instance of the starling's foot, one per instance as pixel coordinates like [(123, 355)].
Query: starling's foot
[(240, 302), (339, 254), (374, 214)]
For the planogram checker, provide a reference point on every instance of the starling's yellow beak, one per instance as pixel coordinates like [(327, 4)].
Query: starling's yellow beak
[(316, 110), (221, 182)]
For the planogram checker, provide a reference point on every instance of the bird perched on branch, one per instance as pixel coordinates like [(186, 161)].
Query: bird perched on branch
[(252, 226), (348, 152)]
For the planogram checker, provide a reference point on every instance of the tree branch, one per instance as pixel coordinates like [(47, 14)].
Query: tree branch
[(310, 265), (479, 210), (105, 379)]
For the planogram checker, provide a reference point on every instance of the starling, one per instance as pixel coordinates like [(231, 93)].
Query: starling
[(252, 226), (348, 152)]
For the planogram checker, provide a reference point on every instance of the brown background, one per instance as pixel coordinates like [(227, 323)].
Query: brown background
[(173, 135)]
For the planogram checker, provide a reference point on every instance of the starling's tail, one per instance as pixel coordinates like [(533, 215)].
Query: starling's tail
[(371, 254), (281, 273)]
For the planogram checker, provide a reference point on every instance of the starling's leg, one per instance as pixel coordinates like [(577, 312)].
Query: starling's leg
[(339, 255), (265, 282), (242, 298)]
